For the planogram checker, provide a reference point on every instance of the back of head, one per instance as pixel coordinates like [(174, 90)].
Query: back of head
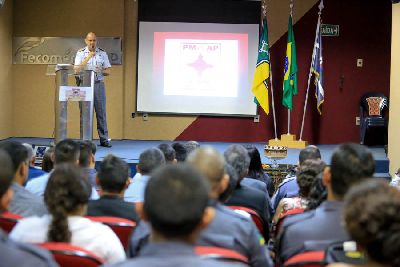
[(86, 151), (168, 151), (6, 173), (372, 220), (307, 174), (150, 159), (210, 163), (66, 192), (16, 151), (310, 152), (30, 150), (255, 158), (180, 151), (66, 151), (190, 146), (113, 174), (47, 162), (238, 158), (233, 183), (175, 199), (349, 165)]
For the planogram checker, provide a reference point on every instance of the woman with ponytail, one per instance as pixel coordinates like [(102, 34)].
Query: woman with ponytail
[(66, 196)]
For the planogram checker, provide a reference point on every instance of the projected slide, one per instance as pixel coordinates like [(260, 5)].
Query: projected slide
[(196, 72)]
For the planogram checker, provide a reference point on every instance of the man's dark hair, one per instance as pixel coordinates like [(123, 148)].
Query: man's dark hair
[(87, 149), (310, 152), (113, 174), (349, 165), (233, 183), (16, 151), (66, 151), (180, 150), (175, 199), (150, 159), (6, 172), (168, 151), (238, 158), (191, 146)]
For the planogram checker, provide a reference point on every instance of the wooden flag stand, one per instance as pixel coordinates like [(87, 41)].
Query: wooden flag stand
[(288, 140)]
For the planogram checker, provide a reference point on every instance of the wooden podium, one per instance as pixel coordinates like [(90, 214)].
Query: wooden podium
[(288, 140)]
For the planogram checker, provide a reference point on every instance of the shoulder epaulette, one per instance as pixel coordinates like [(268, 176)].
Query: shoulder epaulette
[(80, 50), (101, 49)]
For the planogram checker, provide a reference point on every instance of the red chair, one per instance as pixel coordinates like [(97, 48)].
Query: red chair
[(282, 217), (306, 259), (123, 228), (254, 216), (8, 220), (222, 254), (67, 255)]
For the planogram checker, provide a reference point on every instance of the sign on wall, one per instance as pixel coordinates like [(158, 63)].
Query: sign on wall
[(60, 50), (329, 30)]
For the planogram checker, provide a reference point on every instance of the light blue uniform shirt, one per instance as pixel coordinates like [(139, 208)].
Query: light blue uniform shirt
[(100, 59)]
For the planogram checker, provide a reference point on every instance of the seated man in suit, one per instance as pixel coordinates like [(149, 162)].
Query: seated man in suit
[(12, 253), (24, 202), (316, 229), (113, 179), (246, 195), (33, 171), (228, 229), (176, 207), (87, 160)]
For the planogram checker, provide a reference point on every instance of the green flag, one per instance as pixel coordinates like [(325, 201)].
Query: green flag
[(261, 75), (290, 78)]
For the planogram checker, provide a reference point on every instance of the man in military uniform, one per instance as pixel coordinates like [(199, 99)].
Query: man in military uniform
[(95, 57)]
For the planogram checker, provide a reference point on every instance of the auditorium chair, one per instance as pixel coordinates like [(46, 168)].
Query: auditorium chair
[(306, 259), (372, 113), (8, 220), (67, 255), (222, 254), (344, 252), (254, 216), (123, 228), (282, 217)]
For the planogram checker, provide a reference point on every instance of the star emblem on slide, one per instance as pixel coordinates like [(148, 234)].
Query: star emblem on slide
[(200, 65)]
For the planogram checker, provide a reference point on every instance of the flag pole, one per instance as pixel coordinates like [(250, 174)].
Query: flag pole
[(264, 12), (291, 14), (321, 6)]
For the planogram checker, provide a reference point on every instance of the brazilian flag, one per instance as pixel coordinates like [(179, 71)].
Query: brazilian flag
[(290, 78), (261, 75)]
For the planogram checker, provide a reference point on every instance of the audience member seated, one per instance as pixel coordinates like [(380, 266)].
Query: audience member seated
[(228, 229), (237, 156), (180, 151), (372, 219), (289, 187), (316, 229), (66, 151), (176, 207), (149, 160), (23, 203), (113, 179), (12, 253), (256, 170), (66, 196), (87, 160), (305, 176), (191, 146), (48, 160), (232, 182), (169, 153), (33, 171)]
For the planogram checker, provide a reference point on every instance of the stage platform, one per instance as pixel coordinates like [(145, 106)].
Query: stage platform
[(129, 150)]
